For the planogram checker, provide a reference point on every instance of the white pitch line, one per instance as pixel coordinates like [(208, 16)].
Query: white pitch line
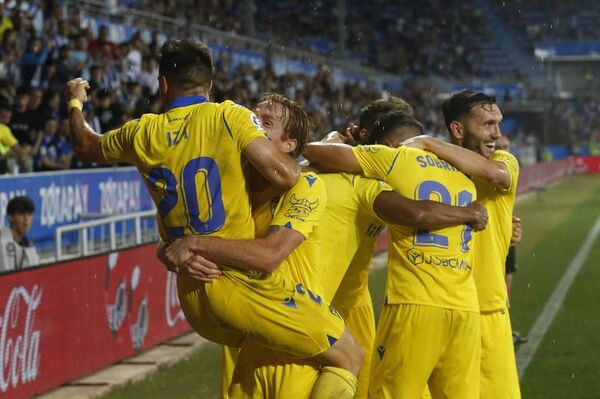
[(379, 261), (544, 320)]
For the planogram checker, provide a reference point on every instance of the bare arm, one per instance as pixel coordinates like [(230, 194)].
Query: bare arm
[(517, 231), (394, 208), (194, 266), (332, 157), (86, 142), (278, 168), (263, 254), (469, 162)]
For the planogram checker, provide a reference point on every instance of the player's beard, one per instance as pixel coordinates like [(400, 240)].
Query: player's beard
[(474, 143)]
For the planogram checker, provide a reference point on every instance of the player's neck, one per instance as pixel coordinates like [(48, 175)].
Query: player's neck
[(197, 91)]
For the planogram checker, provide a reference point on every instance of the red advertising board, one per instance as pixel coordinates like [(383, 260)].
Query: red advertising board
[(539, 175), (587, 165), (64, 321)]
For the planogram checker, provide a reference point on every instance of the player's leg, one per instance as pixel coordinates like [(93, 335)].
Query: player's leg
[(229, 357), (409, 341), (457, 373), (271, 313), (499, 378), (360, 320), (342, 361), (264, 374), (199, 314)]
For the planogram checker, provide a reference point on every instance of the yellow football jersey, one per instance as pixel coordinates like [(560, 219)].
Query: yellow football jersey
[(351, 226), (494, 241), (301, 208), (431, 268), (190, 158)]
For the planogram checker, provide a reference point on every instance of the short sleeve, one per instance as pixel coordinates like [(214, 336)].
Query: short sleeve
[(242, 124), (117, 145), (376, 161), (303, 206), (367, 190), (512, 165)]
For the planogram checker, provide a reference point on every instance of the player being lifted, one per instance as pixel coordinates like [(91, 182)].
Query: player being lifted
[(190, 158)]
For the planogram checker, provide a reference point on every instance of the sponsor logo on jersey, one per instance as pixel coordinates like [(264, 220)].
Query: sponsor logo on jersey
[(417, 258)]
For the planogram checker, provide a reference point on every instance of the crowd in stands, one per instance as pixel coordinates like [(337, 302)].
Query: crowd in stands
[(552, 20), (423, 33), (41, 49)]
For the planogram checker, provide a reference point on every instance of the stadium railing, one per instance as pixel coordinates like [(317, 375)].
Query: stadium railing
[(105, 234)]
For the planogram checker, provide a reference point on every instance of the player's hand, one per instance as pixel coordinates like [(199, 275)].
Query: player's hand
[(161, 251), (200, 268), (334, 137), (77, 89), (415, 142), (480, 216), (348, 137), (180, 259), (517, 231)]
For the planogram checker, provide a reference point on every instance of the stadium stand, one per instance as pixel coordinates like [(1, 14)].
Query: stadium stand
[(43, 47)]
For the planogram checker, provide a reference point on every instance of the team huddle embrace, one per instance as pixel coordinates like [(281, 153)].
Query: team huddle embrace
[(272, 258)]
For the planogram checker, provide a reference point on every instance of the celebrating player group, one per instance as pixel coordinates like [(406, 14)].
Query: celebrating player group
[(272, 258)]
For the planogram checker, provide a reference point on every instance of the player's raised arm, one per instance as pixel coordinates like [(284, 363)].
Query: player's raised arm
[(332, 157), (86, 142), (277, 167), (394, 208), (469, 162)]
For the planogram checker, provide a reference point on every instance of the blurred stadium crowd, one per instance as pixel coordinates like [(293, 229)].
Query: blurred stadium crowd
[(41, 48)]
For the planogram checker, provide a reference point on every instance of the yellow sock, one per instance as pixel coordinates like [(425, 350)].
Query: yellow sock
[(334, 383)]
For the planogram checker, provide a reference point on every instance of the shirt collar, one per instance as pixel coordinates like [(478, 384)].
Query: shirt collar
[(187, 100)]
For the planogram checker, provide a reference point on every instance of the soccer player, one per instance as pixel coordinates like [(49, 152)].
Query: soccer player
[(368, 116), (429, 329), (473, 121), (355, 220), (190, 158), (351, 220)]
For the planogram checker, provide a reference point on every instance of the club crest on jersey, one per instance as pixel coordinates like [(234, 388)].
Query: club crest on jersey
[(301, 207), (256, 122), (369, 148)]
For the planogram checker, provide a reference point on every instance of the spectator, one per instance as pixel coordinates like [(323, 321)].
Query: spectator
[(5, 22), (21, 125), (9, 145), (16, 250), (32, 62), (46, 152)]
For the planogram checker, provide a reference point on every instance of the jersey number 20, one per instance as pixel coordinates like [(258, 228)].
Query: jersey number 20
[(210, 190)]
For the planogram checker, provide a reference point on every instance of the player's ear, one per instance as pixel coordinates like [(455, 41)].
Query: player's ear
[(363, 135), (392, 143), (457, 130), (163, 85), (290, 145)]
